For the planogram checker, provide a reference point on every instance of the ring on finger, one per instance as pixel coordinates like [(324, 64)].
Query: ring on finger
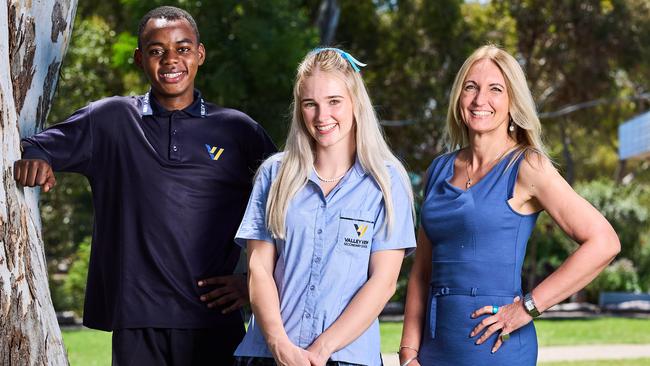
[(495, 309), (505, 336)]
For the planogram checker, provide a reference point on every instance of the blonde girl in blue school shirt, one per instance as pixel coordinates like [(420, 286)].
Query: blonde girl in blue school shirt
[(326, 226)]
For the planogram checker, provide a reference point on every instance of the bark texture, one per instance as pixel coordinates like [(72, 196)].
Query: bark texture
[(33, 38)]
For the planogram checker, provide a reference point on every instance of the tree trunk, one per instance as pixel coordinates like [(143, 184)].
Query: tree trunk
[(328, 20), (566, 151), (33, 39)]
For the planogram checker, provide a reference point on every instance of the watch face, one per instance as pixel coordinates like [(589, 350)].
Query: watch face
[(529, 305)]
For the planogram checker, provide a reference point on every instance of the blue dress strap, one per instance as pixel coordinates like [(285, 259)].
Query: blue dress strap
[(437, 164), (514, 172)]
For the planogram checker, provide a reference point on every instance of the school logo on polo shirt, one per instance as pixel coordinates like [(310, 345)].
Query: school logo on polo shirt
[(357, 242), (214, 152), (361, 229)]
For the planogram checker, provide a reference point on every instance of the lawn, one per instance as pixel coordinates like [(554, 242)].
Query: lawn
[(87, 347), (92, 348)]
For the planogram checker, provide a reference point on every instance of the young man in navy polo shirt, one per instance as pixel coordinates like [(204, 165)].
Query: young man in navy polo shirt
[(170, 177)]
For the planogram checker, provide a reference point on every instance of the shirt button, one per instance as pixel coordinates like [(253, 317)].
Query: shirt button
[(173, 132), (317, 260), (312, 287), (175, 148), (320, 231), (307, 315)]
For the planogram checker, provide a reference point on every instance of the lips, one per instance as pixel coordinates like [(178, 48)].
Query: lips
[(172, 77), (325, 129), (481, 113)]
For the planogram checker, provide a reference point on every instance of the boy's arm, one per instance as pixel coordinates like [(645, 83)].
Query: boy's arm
[(66, 146)]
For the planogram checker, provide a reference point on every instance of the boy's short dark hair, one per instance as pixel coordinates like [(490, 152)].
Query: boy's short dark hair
[(169, 13)]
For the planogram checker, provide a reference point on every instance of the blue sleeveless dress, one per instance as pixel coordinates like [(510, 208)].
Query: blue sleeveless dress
[(478, 247)]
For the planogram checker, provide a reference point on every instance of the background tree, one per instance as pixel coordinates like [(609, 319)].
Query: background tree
[(33, 39)]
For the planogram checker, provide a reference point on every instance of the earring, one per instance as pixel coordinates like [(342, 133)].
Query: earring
[(511, 128)]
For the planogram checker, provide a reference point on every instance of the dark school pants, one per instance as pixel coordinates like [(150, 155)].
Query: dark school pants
[(176, 347)]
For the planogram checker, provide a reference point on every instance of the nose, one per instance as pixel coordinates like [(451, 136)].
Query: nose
[(170, 57), (480, 97), (322, 114)]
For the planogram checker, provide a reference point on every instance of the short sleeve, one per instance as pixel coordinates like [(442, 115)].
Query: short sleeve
[(66, 146), (259, 147), (253, 225), (402, 235)]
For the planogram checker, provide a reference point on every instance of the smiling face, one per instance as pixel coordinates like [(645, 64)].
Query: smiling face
[(170, 57), (327, 110), (484, 102)]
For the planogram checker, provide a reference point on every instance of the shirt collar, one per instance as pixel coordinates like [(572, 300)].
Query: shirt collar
[(150, 106)]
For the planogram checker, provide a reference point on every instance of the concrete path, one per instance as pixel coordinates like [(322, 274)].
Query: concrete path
[(574, 353)]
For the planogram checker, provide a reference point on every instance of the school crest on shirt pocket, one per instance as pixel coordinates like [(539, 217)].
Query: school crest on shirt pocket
[(356, 229)]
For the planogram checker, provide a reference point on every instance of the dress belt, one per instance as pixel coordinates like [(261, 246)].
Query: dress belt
[(437, 291)]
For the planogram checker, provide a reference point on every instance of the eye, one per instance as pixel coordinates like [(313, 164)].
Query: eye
[(156, 52), (496, 89), (308, 105), (184, 50), (335, 101), (469, 87)]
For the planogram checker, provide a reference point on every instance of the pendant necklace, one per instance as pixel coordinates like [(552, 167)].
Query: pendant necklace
[(469, 182)]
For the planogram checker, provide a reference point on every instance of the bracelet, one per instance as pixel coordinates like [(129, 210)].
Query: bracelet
[(409, 361), (409, 347)]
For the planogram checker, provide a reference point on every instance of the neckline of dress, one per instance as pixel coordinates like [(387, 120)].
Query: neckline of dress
[(453, 169)]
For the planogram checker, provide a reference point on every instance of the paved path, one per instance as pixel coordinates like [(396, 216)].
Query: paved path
[(574, 353)]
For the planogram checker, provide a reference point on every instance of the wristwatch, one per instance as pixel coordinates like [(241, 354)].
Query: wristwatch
[(529, 305)]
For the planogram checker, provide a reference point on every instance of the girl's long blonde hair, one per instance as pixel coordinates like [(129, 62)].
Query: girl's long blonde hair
[(523, 114), (298, 160)]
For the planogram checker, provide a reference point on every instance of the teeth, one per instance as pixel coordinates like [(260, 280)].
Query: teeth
[(325, 128), (481, 113), (172, 75)]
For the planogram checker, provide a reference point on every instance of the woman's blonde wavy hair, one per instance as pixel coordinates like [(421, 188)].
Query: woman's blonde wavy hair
[(298, 160), (522, 110)]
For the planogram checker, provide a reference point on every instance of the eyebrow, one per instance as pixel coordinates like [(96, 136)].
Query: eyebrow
[(158, 43), (491, 84), (328, 97)]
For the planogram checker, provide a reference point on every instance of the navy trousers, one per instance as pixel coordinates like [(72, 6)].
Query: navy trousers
[(175, 347)]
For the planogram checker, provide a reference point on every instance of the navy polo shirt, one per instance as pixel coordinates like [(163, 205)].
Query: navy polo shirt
[(169, 191)]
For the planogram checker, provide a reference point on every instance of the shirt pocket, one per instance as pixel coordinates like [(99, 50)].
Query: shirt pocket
[(352, 251), (356, 229)]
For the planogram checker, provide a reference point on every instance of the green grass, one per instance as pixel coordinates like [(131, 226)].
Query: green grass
[(87, 347), (559, 332), (630, 362), (592, 331)]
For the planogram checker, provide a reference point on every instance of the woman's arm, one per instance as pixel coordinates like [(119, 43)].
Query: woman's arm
[(599, 243), (416, 300), (364, 307), (265, 303), (540, 185)]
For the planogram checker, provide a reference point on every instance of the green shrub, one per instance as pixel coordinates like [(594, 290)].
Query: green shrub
[(74, 286), (619, 276)]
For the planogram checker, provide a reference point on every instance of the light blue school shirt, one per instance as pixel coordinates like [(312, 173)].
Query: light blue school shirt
[(324, 259)]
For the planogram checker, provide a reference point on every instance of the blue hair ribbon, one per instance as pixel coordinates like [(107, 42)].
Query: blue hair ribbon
[(353, 61)]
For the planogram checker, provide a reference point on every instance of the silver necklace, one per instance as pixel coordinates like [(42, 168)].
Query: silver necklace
[(330, 180)]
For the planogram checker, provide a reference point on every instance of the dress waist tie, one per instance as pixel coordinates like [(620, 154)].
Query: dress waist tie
[(437, 291)]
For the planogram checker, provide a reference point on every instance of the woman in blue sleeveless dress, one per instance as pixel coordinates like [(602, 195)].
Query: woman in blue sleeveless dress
[(464, 302)]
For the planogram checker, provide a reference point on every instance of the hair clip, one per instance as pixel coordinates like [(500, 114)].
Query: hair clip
[(353, 61)]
